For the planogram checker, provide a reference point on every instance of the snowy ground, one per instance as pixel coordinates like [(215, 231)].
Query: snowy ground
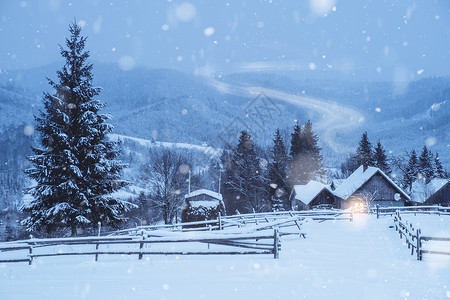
[(364, 259)]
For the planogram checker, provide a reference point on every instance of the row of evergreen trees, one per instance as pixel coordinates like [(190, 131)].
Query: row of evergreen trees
[(411, 167), (367, 155), (426, 166), (254, 182)]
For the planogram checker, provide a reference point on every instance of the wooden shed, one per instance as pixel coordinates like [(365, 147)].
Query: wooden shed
[(370, 184), (201, 205), (312, 195)]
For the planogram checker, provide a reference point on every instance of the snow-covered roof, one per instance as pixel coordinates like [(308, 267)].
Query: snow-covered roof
[(306, 193), (420, 191), (205, 203), (359, 178), (204, 192)]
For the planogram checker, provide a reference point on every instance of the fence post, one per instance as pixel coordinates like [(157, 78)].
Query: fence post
[(99, 228), (378, 211), (96, 248), (141, 245), (276, 243), (220, 221), (30, 251), (351, 217), (419, 254)]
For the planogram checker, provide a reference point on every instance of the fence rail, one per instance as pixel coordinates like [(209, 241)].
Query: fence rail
[(423, 209), (243, 220), (414, 238), (245, 241)]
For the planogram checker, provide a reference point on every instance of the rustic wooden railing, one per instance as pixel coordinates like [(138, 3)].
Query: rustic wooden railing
[(279, 219), (250, 241), (414, 238), (423, 209)]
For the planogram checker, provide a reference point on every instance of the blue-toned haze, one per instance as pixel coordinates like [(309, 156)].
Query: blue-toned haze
[(376, 40)]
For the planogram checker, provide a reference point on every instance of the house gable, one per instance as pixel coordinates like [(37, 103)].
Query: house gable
[(441, 196)]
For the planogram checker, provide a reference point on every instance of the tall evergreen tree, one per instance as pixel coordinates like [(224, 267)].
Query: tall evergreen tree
[(364, 152), (296, 142), (75, 167), (246, 181), (313, 162), (277, 169), (426, 164), (307, 163), (439, 171), (410, 172), (381, 160)]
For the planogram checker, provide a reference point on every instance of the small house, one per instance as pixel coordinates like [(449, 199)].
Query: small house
[(441, 192), (201, 205), (369, 186), (312, 195)]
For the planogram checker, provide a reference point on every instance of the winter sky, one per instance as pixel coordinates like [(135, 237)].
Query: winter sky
[(378, 40)]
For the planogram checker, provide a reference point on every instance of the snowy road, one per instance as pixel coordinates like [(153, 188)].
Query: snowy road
[(333, 118), (338, 260)]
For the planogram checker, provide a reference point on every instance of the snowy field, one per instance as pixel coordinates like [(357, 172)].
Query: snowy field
[(364, 259)]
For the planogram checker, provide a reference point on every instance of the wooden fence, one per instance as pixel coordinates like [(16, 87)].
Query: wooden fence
[(271, 219), (424, 209), (414, 238), (255, 242)]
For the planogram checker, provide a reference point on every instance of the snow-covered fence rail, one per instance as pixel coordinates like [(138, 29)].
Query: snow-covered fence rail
[(52, 247), (424, 209), (414, 238), (243, 220)]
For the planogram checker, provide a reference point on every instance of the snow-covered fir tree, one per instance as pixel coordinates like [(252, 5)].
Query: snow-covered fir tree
[(75, 166), (244, 179), (426, 164), (364, 152), (296, 141), (381, 159), (410, 171), (305, 159), (439, 171), (277, 169)]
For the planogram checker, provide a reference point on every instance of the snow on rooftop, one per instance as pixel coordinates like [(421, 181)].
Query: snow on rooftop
[(204, 203), (420, 191), (204, 192), (360, 177), (306, 193)]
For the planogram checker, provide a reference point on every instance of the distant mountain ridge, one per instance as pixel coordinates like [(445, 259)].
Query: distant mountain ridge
[(171, 106)]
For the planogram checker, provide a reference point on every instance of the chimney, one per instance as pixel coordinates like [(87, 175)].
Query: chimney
[(364, 167)]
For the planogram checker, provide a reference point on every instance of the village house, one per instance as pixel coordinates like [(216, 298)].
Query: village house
[(201, 205), (369, 186), (312, 195), (437, 191)]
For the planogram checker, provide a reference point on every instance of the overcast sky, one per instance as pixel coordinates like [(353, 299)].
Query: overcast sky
[(377, 39)]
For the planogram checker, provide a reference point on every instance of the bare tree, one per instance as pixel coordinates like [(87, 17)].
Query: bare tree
[(167, 175), (367, 198)]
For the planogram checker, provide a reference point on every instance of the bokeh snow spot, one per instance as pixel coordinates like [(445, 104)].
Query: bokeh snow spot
[(28, 130), (165, 27), (430, 141), (322, 7), (126, 63), (312, 66), (81, 23), (209, 31), (165, 286), (185, 12)]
